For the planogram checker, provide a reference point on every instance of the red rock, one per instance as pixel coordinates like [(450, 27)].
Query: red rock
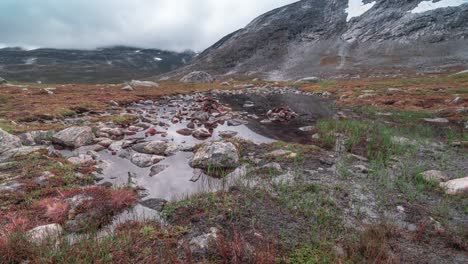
[(151, 131)]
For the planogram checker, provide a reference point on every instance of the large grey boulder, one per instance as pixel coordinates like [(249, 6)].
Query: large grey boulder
[(8, 141), (197, 77), (16, 152), (3, 81), (221, 155), (74, 137), (145, 160)]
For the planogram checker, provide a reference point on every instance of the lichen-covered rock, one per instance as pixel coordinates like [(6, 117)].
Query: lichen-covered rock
[(456, 186), (145, 160), (74, 137), (197, 77), (216, 155), (8, 141), (44, 233), (156, 147)]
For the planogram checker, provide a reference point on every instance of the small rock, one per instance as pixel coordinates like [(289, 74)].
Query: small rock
[(202, 242), (273, 167), (306, 128), (227, 134), (185, 131), (437, 120), (311, 79), (155, 204), (136, 83), (156, 147), (278, 153), (45, 233), (127, 88), (456, 186), (155, 170), (361, 168), (434, 176), (145, 160), (82, 160), (201, 133)]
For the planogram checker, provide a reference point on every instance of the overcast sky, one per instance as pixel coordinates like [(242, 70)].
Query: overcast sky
[(164, 24)]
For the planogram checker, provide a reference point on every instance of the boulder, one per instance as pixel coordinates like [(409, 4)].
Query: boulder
[(216, 155), (456, 186), (127, 88), (74, 137), (156, 147), (136, 83), (437, 120), (197, 77), (44, 233), (3, 81), (8, 141)]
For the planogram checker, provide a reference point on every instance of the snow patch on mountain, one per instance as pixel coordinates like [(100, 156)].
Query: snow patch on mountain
[(357, 8), (430, 5)]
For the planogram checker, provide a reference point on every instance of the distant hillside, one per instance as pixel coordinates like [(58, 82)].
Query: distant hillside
[(105, 65), (320, 38)]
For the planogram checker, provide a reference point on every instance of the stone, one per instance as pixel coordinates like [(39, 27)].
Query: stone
[(145, 160), (10, 186), (434, 176), (216, 155), (225, 84), (74, 137), (456, 186), (272, 167), (106, 142), (82, 160), (197, 77), (185, 131), (201, 116), (155, 170), (156, 147), (227, 134), (311, 79), (8, 141), (111, 131), (201, 133), (278, 153), (3, 81), (45, 233), (127, 88), (201, 243), (437, 120), (136, 83), (12, 153), (361, 168), (307, 128), (236, 122), (155, 204)]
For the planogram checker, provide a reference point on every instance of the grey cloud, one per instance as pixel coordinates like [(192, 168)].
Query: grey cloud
[(166, 24)]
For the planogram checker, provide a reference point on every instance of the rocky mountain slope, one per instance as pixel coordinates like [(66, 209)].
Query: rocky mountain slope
[(106, 65), (314, 37)]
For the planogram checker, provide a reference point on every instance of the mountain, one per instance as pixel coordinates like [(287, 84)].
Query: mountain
[(314, 37), (105, 65)]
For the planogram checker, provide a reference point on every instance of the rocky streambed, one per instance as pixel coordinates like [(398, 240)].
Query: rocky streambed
[(177, 146)]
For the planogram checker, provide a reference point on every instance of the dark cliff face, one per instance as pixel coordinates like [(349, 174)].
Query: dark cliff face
[(313, 37), (107, 65)]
